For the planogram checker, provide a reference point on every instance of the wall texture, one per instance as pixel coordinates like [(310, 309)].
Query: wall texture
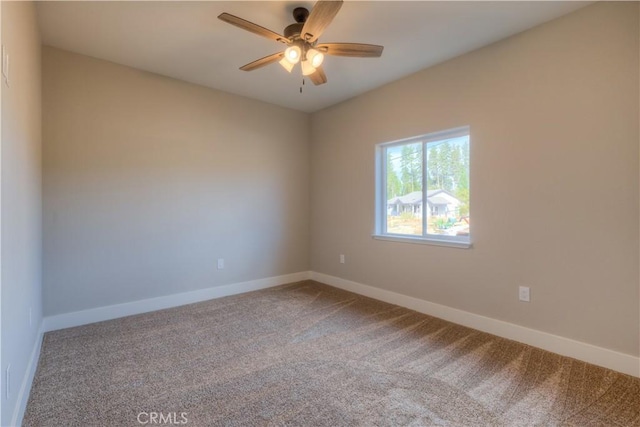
[(20, 198), (554, 126), (148, 180)]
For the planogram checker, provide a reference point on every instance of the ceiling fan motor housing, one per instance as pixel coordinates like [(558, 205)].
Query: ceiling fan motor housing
[(293, 31), (300, 14)]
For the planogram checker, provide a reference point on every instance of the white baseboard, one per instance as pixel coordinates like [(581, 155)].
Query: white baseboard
[(27, 381), (600, 356), (620, 362), (99, 314)]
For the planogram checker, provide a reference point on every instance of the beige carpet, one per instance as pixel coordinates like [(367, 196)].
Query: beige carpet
[(309, 354)]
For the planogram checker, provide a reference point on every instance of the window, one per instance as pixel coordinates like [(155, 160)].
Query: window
[(423, 189)]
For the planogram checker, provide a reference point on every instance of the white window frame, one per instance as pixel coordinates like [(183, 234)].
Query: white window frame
[(380, 232)]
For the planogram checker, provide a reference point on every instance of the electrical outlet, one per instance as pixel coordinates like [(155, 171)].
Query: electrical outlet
[(8, 380), (524, 294), (341, 258), (220, 263)]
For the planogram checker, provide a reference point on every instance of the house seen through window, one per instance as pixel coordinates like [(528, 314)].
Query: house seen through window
[(423, 188)]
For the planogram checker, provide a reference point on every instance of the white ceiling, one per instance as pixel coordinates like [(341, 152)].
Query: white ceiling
[(185, 40)]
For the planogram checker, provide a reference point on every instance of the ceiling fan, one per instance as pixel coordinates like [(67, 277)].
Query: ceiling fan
[(302, 41)]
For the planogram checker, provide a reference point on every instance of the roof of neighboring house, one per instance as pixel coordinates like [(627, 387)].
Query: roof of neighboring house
[(408, 199), (437, 200), (415, 198)]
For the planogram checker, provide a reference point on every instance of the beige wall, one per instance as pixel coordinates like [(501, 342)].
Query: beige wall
[(20, 199), (554, 179), (148, 180)]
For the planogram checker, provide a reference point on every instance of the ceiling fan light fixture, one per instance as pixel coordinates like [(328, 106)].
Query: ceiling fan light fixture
[(292, 54), (307, 68), (315, 57), (286, 64), (301, 40)]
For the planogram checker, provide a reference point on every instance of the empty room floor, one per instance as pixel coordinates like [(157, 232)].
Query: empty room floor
[(310, 354)]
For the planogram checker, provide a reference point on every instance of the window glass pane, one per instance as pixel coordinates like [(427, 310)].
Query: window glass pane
[(448, 187), (404, 189)]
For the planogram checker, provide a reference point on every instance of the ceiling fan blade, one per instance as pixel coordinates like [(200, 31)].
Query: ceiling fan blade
[(351, 49), (319, 77), (320, 17), (254, 28), (262, 62)]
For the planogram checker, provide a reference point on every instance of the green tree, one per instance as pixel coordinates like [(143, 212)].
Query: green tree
[(463, 195), (411, 168), (394, 186), (455, 168), (444, 160), (433, 169), (463, 175), (462, 188)]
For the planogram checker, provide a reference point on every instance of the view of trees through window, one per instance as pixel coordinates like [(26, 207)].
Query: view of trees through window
[(443, 167)]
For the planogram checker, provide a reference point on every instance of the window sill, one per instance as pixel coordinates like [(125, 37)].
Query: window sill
[(423, 241)]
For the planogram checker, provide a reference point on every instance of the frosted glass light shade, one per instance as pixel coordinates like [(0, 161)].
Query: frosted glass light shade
[(307, 68), (286, 64), (315, 57), (292, 54)]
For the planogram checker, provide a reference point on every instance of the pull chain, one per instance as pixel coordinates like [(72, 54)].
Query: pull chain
[(302, 85)]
